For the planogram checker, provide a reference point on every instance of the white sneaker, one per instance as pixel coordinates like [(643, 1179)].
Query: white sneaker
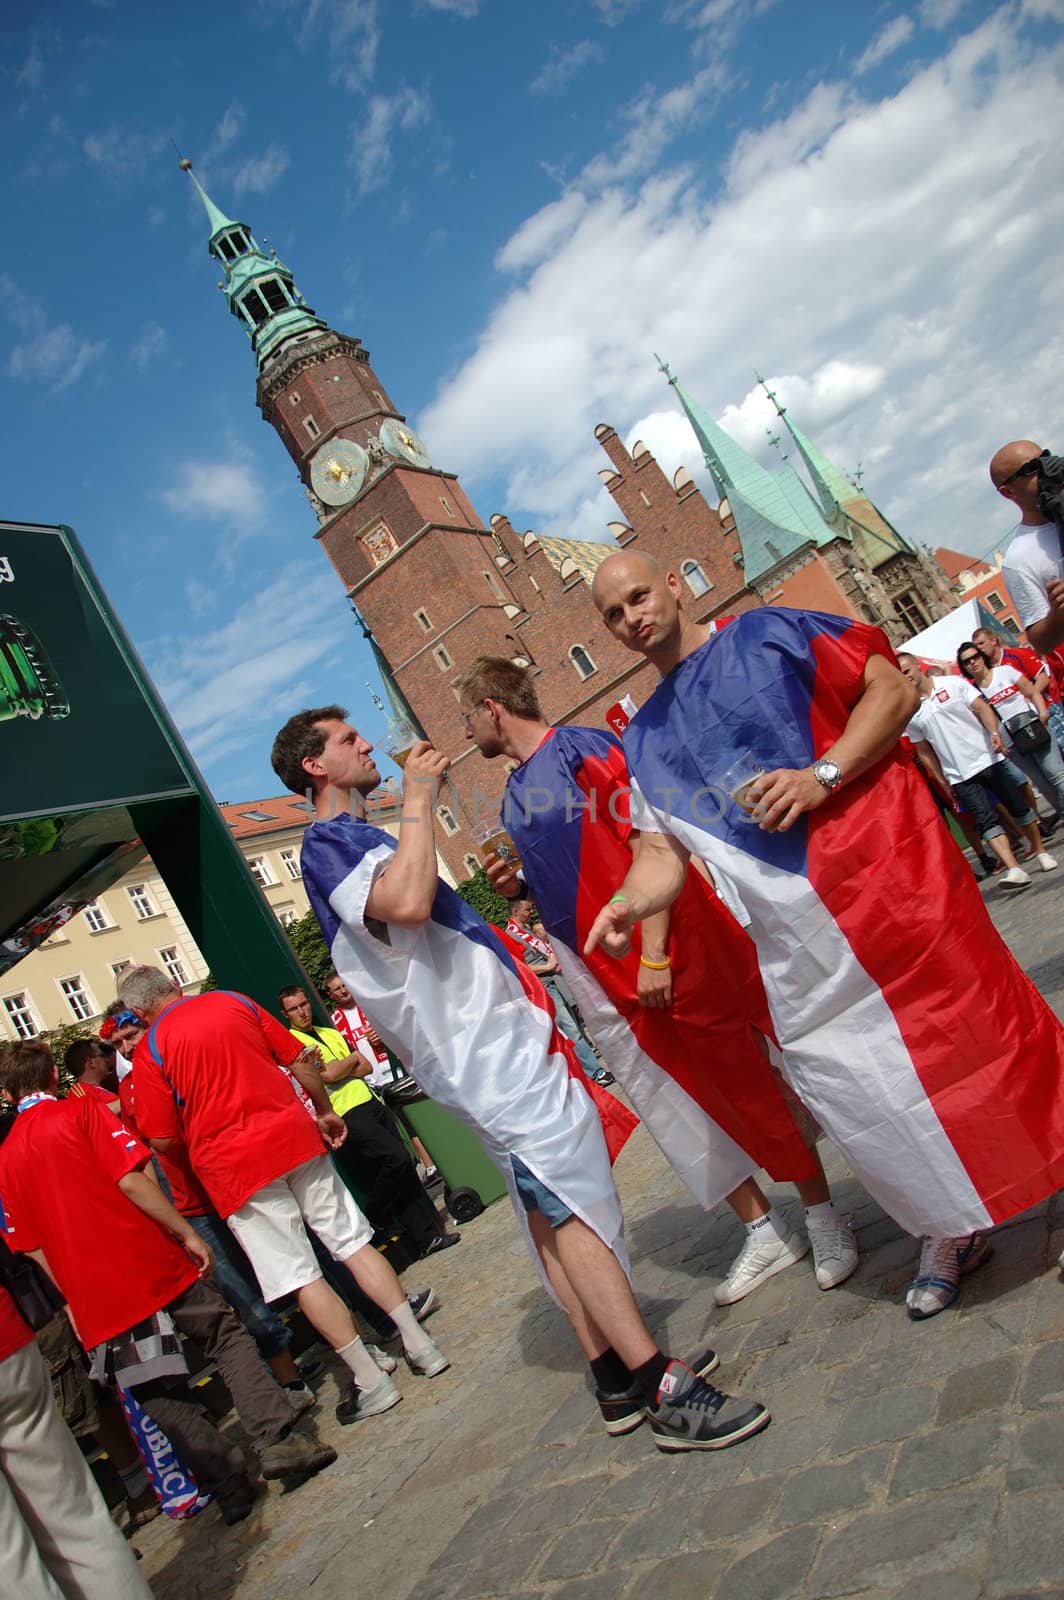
[(1047, 862), (761, 1257), (834, 1251), (429, 1362), (1015, 878), (385, 1362)]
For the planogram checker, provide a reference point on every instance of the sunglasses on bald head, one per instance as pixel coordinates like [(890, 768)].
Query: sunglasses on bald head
[(1025, 471)]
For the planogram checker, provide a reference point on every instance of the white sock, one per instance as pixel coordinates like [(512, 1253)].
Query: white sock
[(414, 1337), (817, 1215), (770, 1222), (366, 1372)]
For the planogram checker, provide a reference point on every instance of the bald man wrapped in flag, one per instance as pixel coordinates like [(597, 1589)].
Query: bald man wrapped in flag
[(682, 1021), (905, 1024)]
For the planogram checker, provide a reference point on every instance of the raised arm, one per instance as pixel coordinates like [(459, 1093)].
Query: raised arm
[(404, 892)]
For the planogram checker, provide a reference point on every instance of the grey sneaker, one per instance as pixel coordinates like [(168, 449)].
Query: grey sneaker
[(295, 1457), (429, 1362), (693, 1415), (363, 1403), (943, 1263), (835, 1255), (386, 1362)]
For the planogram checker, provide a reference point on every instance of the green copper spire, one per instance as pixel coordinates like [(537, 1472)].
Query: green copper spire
[(842, 501), (774, 514), (260, 290)]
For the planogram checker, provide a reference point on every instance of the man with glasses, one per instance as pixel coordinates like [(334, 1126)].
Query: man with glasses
[(1033, 569)]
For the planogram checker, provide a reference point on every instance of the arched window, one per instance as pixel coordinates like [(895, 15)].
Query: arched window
[(695, 578), (471, 864), (581, 661)]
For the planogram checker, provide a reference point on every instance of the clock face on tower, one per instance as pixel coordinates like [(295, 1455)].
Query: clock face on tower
[(403, 442), (338, 471)]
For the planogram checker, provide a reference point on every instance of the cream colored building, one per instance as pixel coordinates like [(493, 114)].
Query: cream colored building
[(71, 977)]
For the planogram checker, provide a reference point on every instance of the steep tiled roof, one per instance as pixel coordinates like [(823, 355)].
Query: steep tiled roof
[(954, 562)]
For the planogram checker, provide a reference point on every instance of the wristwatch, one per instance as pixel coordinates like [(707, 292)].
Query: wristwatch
[(828, 773)]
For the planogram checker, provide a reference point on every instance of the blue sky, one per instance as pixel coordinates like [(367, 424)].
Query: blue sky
[(512, 206)]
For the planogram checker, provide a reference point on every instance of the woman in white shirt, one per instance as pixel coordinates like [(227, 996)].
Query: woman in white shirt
[(1023, 715)]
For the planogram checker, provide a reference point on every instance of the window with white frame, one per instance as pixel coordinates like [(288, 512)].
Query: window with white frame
[(442, 659), (312, 427), (175, 967), (142, 901), (421, 617), (260, 871), (581, 661), (19, 1013), (471, 864), (96, 917), (118, 967), (695, 578), (448, 509), (494, 585), (447, 820), (291, 863), (286, 915), (77, 997)]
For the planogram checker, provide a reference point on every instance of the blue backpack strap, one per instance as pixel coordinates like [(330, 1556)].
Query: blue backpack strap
[(153, 1046)]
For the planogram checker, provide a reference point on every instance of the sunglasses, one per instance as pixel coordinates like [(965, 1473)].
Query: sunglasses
[(1025, 471), (969, 661)]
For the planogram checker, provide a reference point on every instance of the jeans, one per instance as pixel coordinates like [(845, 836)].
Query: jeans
[(568, 1025), (979, 793), (234, 1278), (1056, 723), (1045, 768)]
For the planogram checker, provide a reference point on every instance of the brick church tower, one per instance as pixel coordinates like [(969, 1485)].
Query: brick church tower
[(435, 586)]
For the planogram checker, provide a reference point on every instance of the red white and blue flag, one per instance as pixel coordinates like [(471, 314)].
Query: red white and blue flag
[(697, 1073), (454, 998), (906, 1025)]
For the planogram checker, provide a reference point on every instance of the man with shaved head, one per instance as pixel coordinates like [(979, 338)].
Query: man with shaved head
[(770, 751), (1033, 569)]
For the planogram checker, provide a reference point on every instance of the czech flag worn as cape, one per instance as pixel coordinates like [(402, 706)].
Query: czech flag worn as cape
[(697, 1073), (454, 999), (906, 1026)]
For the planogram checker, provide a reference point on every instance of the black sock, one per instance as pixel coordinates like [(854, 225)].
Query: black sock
[(610, 1373), (647, 1377)]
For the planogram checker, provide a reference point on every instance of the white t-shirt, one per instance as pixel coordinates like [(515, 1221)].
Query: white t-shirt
[(948, 724), (378, 1059), (1004, 696), (1031, 559)]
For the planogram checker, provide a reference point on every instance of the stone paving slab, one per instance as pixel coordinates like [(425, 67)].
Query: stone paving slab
[(903, 1462)]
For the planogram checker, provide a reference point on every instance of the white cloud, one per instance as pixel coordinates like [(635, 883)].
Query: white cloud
[(651, 124), (563, 64), (350, 29), (49, 353), (223, 491), (458, 8), (893, 260), (896, 33), (372, 156), (259, 173), (122, 151), (229, 688), (154, 341), (939, 13)]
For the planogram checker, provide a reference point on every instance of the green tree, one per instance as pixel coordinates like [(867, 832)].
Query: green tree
[(478, 891), (306, 939), (59, 1042)]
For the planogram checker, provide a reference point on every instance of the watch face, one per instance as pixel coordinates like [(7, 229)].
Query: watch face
[(338, 471), (827, 772), (403, 442)]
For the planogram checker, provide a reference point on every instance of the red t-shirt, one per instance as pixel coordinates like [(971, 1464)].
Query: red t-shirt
[(15, 1333), (95, 1091), (219, 1086), (59, 1172), (186, 1191), (1030, 663)]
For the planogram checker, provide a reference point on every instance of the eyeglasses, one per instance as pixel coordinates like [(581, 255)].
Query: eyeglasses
[(1025, 471), (466, 717)]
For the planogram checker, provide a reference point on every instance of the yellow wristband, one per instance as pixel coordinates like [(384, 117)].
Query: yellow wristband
[(655, 966)]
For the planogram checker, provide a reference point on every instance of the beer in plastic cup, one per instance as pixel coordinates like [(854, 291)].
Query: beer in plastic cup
[(740, 778), (493, 839)]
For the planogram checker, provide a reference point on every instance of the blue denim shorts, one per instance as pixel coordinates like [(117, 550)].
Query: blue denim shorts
[(535, 1196)]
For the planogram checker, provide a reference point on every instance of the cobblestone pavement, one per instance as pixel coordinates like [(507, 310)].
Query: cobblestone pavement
[(904, 1461)]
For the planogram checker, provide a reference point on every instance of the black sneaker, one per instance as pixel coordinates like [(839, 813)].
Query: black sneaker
[(692, 1415), (443, 1241), (621, 1413)]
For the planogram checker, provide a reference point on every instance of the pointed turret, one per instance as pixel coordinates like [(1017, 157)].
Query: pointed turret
[(260, 290), (846, 508), (774, 514)]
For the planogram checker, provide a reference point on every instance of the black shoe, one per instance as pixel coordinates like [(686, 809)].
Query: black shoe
[(238, 1503), (621, 1413), (443, 1242), (604, 1079), (693, 1415)]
